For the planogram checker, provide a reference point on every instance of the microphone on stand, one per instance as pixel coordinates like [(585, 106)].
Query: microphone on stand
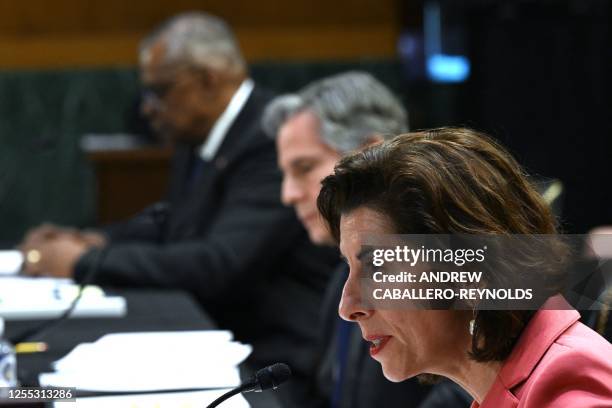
[(269, 377)]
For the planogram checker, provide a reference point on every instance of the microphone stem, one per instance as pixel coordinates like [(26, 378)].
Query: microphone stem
[(227, 395)]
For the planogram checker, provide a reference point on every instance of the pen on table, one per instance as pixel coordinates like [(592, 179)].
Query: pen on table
[(30, 347)]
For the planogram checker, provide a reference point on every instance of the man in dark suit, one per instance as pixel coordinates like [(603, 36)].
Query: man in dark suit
[(222, 235), (313, 129)]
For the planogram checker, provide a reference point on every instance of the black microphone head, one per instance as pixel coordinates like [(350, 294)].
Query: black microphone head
[(273, 376)]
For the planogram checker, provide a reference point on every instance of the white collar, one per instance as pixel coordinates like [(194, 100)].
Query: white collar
[(217, 133)]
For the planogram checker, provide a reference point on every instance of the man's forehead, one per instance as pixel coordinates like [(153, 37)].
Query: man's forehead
[(153, 55), (154, 64), (155, 50), (302, 122), (301, 129)]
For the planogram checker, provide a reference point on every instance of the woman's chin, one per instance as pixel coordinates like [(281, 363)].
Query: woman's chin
[(394, 375)]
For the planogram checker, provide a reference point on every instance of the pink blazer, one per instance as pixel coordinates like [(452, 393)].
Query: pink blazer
[(557, 362)]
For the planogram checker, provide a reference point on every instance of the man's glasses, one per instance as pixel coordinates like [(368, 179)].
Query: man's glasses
[(155, 94)]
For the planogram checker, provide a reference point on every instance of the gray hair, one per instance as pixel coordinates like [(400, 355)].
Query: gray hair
[(196, 38), (352, 107)]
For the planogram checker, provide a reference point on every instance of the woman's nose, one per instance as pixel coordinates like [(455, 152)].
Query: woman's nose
[(351, 307)]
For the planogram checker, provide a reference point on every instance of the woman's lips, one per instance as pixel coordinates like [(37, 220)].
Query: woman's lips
[(377, 343)]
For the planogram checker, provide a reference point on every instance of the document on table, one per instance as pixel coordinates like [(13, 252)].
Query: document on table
[(197, 399), (23, 298), (151, 361), (10, 262), (127, 379)]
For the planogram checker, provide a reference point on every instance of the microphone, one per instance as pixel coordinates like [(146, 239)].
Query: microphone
[(269, 377)]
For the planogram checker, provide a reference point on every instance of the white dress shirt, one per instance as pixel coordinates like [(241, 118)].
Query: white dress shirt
[(217, 133)]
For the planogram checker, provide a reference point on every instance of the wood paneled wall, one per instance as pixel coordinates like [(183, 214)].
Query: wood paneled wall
[(85, 33)]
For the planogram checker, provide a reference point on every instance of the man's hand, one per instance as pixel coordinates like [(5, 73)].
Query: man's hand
[(55, 256), (42, 233), (91, 238), (54, 251)]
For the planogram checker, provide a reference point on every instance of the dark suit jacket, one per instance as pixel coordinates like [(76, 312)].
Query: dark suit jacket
[(364, 384), (228, 240)]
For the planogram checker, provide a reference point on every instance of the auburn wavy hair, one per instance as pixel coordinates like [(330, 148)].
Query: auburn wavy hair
[(449, 181)]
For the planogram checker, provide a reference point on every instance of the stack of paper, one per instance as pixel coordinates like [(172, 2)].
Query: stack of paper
[(152, 361), (197, 399)]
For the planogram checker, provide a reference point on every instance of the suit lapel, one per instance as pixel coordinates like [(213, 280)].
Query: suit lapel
[(194, 207)]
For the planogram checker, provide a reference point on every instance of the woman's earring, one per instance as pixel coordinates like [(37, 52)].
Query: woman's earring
[(472, 322)]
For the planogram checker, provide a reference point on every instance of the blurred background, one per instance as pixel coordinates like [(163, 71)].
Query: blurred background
[(533, 73)]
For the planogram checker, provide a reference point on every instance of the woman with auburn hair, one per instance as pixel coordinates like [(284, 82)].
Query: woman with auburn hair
[(458, 181)]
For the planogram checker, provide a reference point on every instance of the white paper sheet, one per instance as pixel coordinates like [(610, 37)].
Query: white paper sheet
[(45, 298), (170, 348), (10, 262), (196, 399), (126, 379), (152, 361), (187, 337)]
